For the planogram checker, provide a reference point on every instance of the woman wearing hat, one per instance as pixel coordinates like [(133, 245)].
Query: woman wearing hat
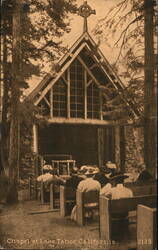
[(45, 177), (111, 168), (89, 184), (118, 190)]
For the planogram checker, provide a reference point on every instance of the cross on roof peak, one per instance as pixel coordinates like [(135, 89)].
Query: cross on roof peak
[(85, 11)]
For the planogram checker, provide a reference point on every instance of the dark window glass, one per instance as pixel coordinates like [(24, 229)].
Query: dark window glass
[(59, 99), (76, 90)]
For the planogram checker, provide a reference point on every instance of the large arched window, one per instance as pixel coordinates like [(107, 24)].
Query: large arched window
[(76, 90), (93, 101), (59, 99)]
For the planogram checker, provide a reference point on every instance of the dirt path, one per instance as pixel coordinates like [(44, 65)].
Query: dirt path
[(19, 230)]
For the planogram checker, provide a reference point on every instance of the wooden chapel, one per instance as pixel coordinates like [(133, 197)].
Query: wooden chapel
[(75, 100)]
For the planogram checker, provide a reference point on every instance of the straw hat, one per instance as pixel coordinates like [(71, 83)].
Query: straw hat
[(47, 167), (111, 165)]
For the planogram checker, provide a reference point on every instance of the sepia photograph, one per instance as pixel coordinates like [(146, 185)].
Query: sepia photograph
[(78, 124)]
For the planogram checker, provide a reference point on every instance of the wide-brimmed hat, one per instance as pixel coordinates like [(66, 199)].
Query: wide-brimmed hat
[(119, 176), (91, 171), (111, 165), (47, 167)]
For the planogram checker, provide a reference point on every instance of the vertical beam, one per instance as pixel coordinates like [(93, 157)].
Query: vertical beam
[(117, 146), (122, 149), (51, 102), (62, 201), (100, 146), (42, 192), (85, 94), (68, 92), (101, 104), (35, 139), (29, 184), (112, 143)]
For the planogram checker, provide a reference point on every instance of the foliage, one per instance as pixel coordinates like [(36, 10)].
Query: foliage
[(125, 21), (42, 23)]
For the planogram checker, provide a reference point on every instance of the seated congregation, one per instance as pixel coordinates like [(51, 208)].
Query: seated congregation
[(105, 194)]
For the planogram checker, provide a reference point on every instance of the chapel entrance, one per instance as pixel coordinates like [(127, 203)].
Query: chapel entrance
[(80, 141)]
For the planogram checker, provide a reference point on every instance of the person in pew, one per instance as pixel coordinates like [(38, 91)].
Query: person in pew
[(101, 177), (111, 169), (46, 173), (74, 180), (44, 178), (89, 184), (144, 175), (117, 189)]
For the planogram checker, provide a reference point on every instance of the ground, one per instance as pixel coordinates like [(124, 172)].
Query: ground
[(21, 230)]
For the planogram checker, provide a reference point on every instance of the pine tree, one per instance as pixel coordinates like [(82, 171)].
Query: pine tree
[(24, 43), (136, 21)]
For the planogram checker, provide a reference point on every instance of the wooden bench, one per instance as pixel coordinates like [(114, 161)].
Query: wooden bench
[(67, 199), (142, 189), (146, 228), (110, 208), (82, 200)]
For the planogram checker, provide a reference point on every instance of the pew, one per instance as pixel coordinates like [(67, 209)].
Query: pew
[(67, 200), (82, 200), (141, 188), (109, 209), (146, 228)]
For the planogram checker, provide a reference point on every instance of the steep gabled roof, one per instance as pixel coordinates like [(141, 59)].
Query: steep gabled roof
[(100, 65)]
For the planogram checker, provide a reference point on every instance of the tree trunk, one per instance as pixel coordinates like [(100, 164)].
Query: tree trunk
[(149, 91), (5, 104), (15, 95)]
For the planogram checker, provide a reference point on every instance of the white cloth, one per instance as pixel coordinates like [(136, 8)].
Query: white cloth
[(119, 192), (106, 189), (44, 177), (88, 185)]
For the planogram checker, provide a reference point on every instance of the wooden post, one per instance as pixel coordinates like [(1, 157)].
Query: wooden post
[(62, 201), (117, 146), (101, 104), (51, 102), (42, 192), (85, 94), (105, 224), (68, 92), (100, 146), (29, 184), (79, 208), (146, 228), (52, 198), (122, 149), (35, 139)]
